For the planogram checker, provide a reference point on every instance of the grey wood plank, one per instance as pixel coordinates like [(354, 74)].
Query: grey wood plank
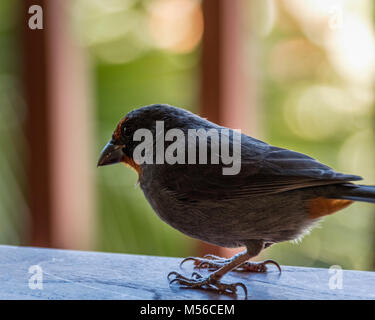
[(94, 275)]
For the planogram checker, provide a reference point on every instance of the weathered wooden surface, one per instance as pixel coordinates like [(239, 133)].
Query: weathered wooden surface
[(93, 275)]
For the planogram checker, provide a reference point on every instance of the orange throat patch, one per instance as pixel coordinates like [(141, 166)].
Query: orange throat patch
[(131, 163), (319, 207)]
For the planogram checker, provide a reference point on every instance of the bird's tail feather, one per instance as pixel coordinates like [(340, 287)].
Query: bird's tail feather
[(356, 192)]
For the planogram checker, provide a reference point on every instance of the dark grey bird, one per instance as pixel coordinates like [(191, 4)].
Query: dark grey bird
[(277, 195)]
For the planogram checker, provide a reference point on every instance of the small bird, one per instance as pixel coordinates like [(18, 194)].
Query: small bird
[(277, 195)]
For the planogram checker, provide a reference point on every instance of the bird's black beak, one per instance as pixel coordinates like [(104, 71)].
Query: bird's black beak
[(111, 154)]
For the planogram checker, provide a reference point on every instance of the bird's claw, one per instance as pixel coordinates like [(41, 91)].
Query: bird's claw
[(197, 281), (208, 261), (188, 259), (257, 266)]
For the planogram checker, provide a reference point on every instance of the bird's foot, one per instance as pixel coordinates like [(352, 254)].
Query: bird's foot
[(212, 262), (210, 282)]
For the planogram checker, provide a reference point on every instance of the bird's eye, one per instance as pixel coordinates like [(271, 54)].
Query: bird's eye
[(126, 132)]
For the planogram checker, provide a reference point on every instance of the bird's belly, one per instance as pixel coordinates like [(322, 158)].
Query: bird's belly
[(230, 223)]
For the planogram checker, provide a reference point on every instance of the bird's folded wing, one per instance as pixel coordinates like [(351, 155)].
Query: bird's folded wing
[(278, 161), (270, 170)]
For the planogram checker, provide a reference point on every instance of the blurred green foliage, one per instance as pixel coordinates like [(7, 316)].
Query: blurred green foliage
[(13, 211)]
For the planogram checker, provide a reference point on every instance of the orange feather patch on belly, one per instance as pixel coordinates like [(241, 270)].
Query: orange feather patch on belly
[(319, 207)]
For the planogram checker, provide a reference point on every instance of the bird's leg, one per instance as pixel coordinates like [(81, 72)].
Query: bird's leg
[(212, 281)]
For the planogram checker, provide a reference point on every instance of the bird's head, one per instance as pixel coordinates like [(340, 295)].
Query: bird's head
[(121, 146)]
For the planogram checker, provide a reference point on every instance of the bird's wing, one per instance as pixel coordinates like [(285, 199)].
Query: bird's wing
[(264, 170), (283, 162)]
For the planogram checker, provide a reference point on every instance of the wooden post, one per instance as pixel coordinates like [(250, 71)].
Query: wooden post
[(71, 129), (34, 48), (58, 132)]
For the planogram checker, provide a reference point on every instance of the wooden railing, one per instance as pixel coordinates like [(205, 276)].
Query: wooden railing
[(35, 273)]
